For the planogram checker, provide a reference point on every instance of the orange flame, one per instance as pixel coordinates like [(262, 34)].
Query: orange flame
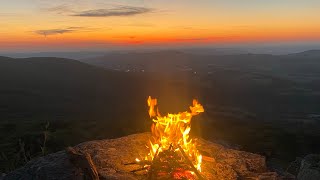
[(173, 129)]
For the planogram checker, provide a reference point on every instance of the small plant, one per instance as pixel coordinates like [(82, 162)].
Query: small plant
[(25, 150), (46, 134), (22, 151)]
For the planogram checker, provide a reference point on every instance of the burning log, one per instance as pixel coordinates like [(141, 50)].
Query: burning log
[(151, 172), (140, 169), (195, 170), (169, 165), (84, 162), (138, 163)]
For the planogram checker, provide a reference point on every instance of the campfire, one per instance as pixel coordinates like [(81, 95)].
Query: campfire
[(173, 154)]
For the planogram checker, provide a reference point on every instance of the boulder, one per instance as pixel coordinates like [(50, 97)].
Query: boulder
[(310, 168), (110, 156)]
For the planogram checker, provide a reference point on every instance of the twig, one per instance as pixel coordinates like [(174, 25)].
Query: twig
[(84, 162), (208, 159), (150, 173), (190, 163), (142, 162), (140, 169)]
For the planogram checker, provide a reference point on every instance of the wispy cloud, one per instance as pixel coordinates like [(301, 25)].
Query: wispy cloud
[(48, 32), (61, 9), (115, 11)]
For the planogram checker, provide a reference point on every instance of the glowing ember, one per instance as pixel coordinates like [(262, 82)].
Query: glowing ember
[(173, 130)]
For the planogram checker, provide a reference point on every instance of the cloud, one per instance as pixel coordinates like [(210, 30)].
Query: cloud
[(61, 9), (116, 11), (48, 32)]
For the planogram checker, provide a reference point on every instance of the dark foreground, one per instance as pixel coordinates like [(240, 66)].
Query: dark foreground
[(258, 105)]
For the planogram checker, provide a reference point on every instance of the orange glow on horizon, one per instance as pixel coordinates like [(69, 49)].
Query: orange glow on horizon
[(103, 39), (188, 23)]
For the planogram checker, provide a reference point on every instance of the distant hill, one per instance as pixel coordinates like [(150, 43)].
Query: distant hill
[(307, 54), (57, 85), (139, 62), (297, 66), (64, 90), (71, 54), (91, 54), (80, 101)]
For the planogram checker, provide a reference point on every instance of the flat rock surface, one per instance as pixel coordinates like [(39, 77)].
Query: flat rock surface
[(110, 155)]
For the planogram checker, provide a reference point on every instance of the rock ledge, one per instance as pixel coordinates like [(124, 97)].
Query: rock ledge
[(110, 155)]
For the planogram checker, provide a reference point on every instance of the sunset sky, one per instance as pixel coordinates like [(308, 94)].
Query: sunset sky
[(72, 24)]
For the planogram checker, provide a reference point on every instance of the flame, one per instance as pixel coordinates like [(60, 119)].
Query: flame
[(173, 130)]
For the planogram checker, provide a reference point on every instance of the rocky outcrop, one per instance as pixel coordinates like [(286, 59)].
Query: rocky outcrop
[(310, 168), (109, 157)]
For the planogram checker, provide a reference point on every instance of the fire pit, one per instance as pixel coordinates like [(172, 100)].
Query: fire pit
[(173, 155)]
